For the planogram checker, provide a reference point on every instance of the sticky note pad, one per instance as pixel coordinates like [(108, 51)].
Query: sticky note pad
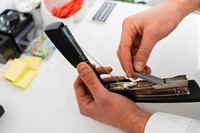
[(26, 79), (15, 70), (32, 61)]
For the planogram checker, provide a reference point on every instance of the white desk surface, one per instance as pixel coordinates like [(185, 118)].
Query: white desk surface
[(49, 104)]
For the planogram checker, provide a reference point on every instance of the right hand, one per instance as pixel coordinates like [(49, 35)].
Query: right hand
[(142, 31)]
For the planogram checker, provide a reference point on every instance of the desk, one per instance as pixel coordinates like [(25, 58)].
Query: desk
[(49, 104)]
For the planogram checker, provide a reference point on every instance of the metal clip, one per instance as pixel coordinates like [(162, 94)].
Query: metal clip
[(122, 85), (174, 86)]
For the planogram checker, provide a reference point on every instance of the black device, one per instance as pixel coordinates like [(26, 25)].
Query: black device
[(17, 26), (8, 49), (62, 38)]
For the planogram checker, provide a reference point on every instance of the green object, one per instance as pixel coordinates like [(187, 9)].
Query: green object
[(40, 47)]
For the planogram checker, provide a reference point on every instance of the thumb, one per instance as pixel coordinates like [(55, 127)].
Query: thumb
[(143, 53), (89, 78)]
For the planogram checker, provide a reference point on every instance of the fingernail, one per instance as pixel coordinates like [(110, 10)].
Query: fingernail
[(139, 65), (82, 69)]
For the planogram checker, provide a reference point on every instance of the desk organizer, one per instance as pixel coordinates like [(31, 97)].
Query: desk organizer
[(17, 26)]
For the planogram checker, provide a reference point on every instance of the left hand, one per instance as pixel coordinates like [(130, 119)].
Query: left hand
[(96, 102)]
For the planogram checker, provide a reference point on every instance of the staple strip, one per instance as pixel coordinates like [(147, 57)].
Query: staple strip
[(104, 11), (150, 78)]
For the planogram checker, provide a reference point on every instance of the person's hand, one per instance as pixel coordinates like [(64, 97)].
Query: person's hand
[(142, 31), (98, 103)]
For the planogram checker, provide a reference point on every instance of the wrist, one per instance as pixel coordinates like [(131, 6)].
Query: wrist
[(137, 121)]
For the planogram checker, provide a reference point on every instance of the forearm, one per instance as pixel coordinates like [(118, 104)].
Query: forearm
[(184, 7), (136, 122)]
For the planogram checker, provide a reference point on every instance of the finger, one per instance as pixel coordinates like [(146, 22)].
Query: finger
[(82, 95), (94, 66), (107, 79), (147, 69), (143, 53), (104, 70), (133, 51), (124, 50), (137, 40), (136, 45), (91, 81)]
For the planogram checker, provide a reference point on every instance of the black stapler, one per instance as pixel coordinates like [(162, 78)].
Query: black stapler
[(172, 90)]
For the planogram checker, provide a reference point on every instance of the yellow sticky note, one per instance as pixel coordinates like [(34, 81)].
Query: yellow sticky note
[(15, 70), (26, 79), (32, 61)]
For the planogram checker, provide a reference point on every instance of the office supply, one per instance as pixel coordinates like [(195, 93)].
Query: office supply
[(17, 26), (50, 104), (104, 11), (26, 79), (8, 49), (40, 47), (15, 70), (58, 33), (32, 61), (21, 72), (175, 89), (68, 9), (46, 15), (150, 78)]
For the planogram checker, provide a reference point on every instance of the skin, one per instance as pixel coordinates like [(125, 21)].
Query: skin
[(139, 35), (142, 31), (97, 102)]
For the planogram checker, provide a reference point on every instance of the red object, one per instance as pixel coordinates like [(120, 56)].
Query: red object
[(68, 9), (74, 10), (54, 11)]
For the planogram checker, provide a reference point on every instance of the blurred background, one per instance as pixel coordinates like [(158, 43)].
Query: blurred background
[(10, 3), (149, 2)]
